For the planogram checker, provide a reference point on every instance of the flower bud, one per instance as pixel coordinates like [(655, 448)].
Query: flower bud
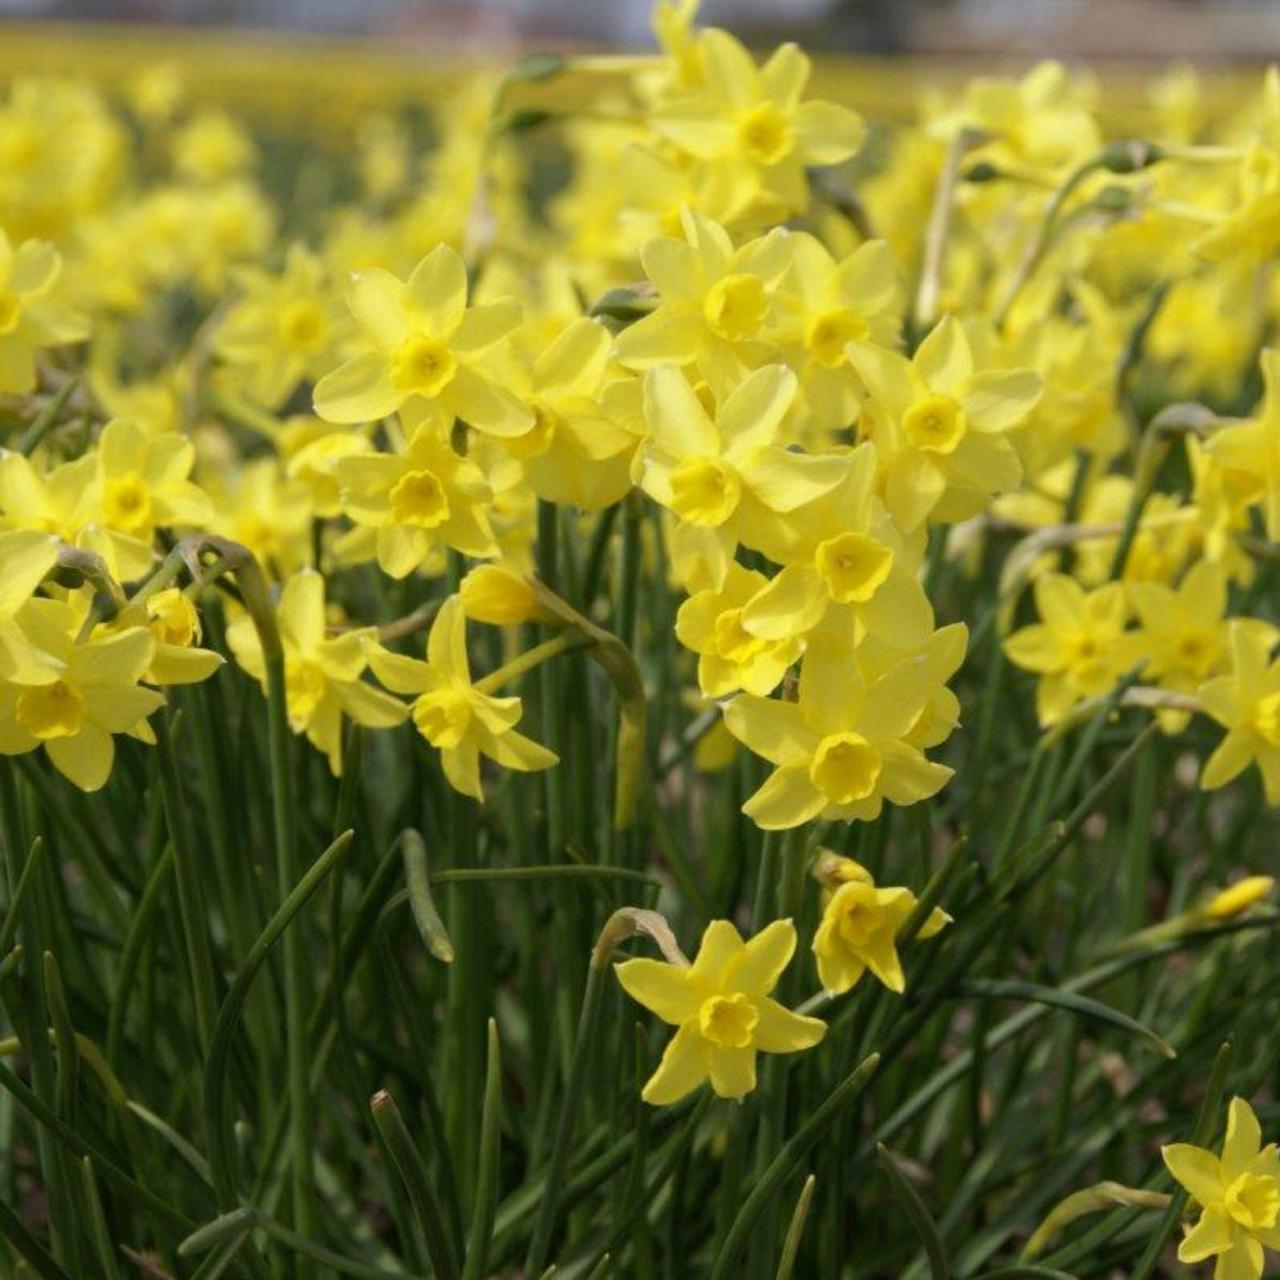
[(1238, 897), (499, 597)]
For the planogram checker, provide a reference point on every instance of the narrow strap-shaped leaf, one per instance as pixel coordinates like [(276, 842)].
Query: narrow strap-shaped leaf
[(417, 1182), (791, 1243), (548, 1209), (216, 1263), (134, 942), (96, 1228), (817, 1126), (240, 1222), (76, 1144), (916, 1209), (1002, 989), (13, 911), (221, 1138), (67, 1081), (28, 1247)]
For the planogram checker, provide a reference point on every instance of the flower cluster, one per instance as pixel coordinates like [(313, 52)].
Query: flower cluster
[(715, 360)]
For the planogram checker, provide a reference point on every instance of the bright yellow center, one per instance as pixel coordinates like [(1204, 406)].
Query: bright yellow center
[(845, 768), (728, 1021), (303, 324), (173, 618), (418, 499), (423, 365), (127, 503), (1253, 1201), (1266, 718), (1087, 655), (935, 423), (734, 306), (828, 333), (10, 311), (764, 134), (733, 641), (305, 687), (853, 566), (705, 492), (1196, 649), (51, 710), (442, 717), (858, 920)]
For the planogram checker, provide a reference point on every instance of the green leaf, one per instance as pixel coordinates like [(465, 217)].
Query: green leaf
[(918, 1212), (1008, 989)]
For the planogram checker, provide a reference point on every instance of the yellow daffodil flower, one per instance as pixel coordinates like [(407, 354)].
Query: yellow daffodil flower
[(32, 317), (727, 478), (722, 1009), (26, 557), (1183, 633), (1246, 702), (755, 118), (144, 487), (859, 927), (1037, 124), (1248, 233), (941, 426), (1080, 646), (211, 147), (842, 750), (62, 500), (714, 301), (730, 657), (405, 504), (96, 693), (821, 307), (426, 352), (322, 671), (460, 720), (260, 506), (846, 567), (1251, 450), (284, 328), (1238, 1193), (174, 624), (500, 596), (575, 453)]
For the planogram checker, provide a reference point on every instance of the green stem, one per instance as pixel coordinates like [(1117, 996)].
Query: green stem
[(284, 819), (30, 1015), (486, 1199), (818, 1125), (222, 1163), (565, 642), (191, 901), (46, 419)]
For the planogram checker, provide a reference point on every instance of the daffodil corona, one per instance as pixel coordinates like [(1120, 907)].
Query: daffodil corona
[(1238, 1194), (722, 1011)]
